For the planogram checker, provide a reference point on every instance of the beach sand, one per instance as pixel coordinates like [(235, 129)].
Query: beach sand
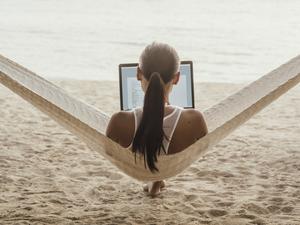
[(48, 176)]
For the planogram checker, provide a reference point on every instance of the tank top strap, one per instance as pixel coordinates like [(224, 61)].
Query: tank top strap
[(138, 113), (169, 126)]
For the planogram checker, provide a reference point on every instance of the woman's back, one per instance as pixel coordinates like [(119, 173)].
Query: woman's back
[(189, 127)]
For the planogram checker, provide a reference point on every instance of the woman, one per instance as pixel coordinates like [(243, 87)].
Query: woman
[(157, 128)]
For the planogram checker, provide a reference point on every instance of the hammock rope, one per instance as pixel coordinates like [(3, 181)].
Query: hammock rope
[(89, 123)]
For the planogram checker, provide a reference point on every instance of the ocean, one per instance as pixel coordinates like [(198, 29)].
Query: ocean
[(228, 41)]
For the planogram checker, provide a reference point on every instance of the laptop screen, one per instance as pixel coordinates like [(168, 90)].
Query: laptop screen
[(132, 95)]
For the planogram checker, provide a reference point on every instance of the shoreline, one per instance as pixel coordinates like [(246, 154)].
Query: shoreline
[(60, 79)]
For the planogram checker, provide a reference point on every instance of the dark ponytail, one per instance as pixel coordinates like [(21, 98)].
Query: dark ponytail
[(149, 136), (158, 64)]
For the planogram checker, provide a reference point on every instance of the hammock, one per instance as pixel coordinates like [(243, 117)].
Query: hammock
[(89, 123)]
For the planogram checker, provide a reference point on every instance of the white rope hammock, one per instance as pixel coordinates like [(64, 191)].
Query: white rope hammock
[(89, 123)]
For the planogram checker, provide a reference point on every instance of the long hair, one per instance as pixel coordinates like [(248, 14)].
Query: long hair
[(158, 64)]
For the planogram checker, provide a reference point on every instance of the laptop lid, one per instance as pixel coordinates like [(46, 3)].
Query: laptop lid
[(132, 95)]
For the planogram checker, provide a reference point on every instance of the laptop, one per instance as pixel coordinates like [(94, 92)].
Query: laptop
[(132, 95)]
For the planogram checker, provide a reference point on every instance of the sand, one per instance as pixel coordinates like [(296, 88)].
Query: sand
[(48, 176)]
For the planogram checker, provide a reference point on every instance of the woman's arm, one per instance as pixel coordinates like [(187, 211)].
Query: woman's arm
[(121, 128), (197, 123), (112, 128), (201, 123)]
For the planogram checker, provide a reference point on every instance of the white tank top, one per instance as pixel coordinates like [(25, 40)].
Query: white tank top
[(169, 124)]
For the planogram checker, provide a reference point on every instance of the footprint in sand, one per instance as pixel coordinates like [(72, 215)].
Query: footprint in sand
[(106, 188), (4, 164), (217, 212), (276, 199), (190, 197), (273, 208), (246, 216), (287, 209), (5, 179), (255, 208), (47, 140), (225, 204)]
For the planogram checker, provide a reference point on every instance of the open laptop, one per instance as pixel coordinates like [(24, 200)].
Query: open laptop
[(132, 96)]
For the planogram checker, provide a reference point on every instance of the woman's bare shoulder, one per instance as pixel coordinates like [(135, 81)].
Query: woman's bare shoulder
[(196, 119), (121, 115), (193, 113), (120, 124)]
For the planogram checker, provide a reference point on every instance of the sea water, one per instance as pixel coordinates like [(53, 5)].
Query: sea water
[(228, 41)]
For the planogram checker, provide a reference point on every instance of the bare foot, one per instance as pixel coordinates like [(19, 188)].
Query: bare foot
[(154, 187), (146, 186)]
